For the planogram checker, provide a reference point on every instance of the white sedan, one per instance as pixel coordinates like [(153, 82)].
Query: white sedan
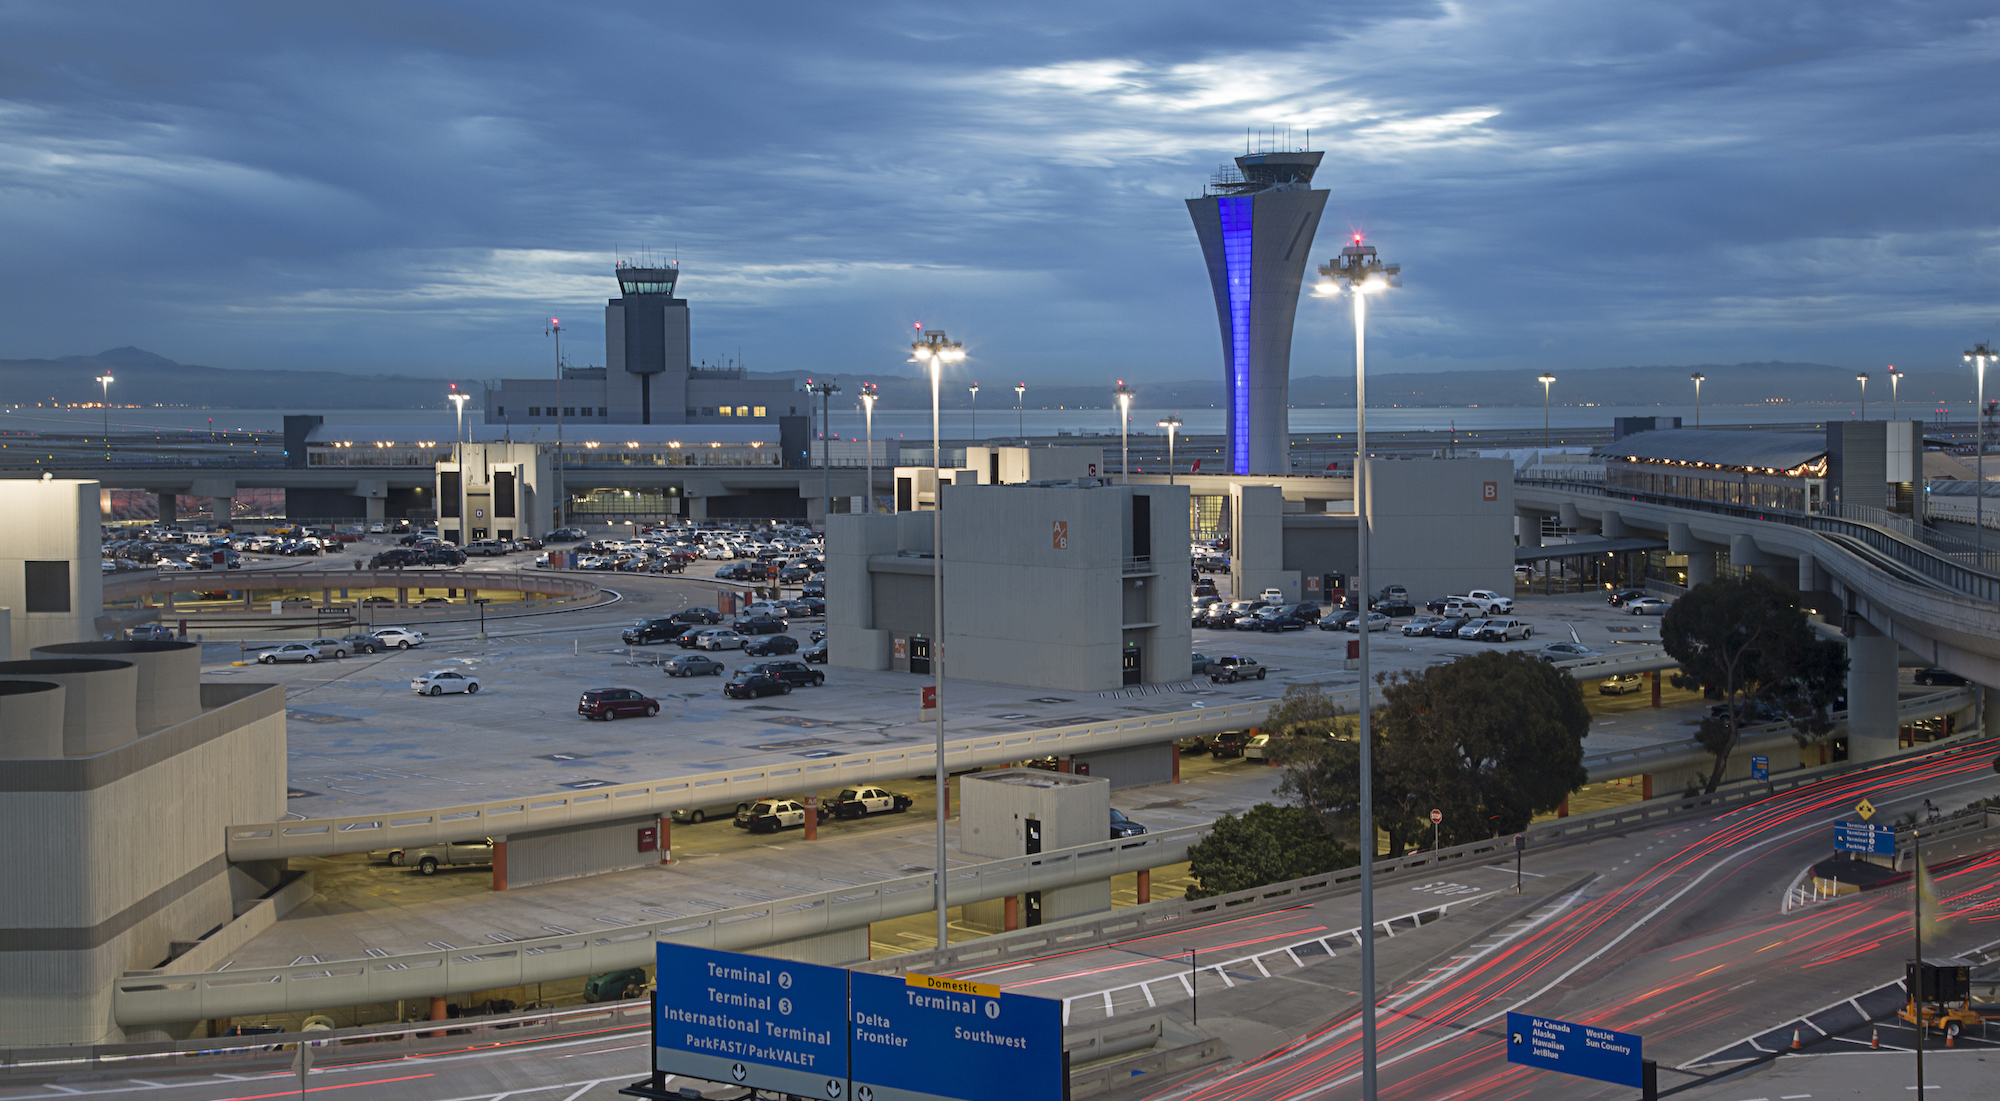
[(438, 682), (1647, 605), (402, 638)]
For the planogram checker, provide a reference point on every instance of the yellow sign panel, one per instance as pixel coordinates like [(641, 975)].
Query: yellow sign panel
[(954, 986), (1865, 809)]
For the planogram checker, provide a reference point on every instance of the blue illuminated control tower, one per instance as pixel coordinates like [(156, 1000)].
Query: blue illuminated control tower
[(1256, 226)]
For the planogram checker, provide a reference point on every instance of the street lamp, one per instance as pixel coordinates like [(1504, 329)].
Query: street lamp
[(1979, 354), (1020, 391), (1361, 272), (1696, 378), (868, 396), (105, 380), (1862, 378), (1124, 393), (974, 434), (458, 399), (1895, 399), (1171, 424), (934, 350), (825, 390), (482, 602), (1546, 379), (559, 514)]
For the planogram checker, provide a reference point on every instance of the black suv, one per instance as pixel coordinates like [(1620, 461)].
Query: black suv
[(796, 673), (1229, 743), (707, 617), (393, 557), (1291, 617), (652, 630), (760, 625), (815, 587), (772, 645)]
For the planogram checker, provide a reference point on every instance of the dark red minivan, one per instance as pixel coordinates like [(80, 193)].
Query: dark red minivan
[(610, 703)]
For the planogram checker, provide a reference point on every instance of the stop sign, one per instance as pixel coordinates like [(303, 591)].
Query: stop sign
[(1437, 816)]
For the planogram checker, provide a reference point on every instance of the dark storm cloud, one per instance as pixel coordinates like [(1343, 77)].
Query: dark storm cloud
[(417, 187)]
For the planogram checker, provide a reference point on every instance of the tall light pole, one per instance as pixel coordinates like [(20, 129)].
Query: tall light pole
[(458, 398), (1124, 393), (1172, 424), (935, 350), (825, 390), (1979, 354), (1696, 379), (1020, 393), (974, 434), (1546, 380), (1895, 398), (560, 512), (868, 396), (1361, 272), (1862, 378), (105, 380)]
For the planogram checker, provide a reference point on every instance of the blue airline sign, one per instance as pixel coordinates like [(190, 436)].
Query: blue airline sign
[(1860, 837), (1571, 1048), (1760, 767), (753, 1021), (923, 1038)]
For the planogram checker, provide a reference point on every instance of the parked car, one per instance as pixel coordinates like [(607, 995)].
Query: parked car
[(1504, 630), (1493, 602), (651, 630), (707, 617), (1229, 743), (1472, 628), (816, 653), (1647, 605), (1233, 668), (361, 642), (769, 815), (864, 801), (331, 647), (1338, 621), (427, 859), (1290, 617), (1122, 826), (1200, 665), (391, 558), (1935, 675), (1568, 651), (692, 665), (290, 651), (698, 815), (793, 673), (1396, 610), (1257, 748), (773, 644), (750, 686), (1421, 625), (1393, 594), (1450, 626), (611, 703), (760, 625), (439, 682), (691, 638), (1620, 684), (487, 547), (719, 638), (1376, 622), (1618, 598), (401, 638)]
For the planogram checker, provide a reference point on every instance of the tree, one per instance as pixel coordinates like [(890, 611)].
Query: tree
[(1268, 844), (1491, 740), (1746, 639)]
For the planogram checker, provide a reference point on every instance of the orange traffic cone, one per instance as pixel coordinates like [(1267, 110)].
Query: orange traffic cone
[(1795, 1039), (1875, 1040), (1951, 1037)]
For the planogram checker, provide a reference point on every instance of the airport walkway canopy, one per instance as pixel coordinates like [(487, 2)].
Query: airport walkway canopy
[(1762, 452), (1587, 548)]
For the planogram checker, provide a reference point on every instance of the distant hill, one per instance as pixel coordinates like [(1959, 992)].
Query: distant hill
[(142, 378)]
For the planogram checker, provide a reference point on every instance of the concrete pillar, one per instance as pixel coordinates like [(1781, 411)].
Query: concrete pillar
[(666, 839), (378, 509), (220, 506), (1701, 568), (812, 816), (1612, 526), (500, 865), (1646, 786), (1563, 810), (1989, 710), (169, 508), (1529, 528), (1175, 749), (1012, 919), (1145, 878), (1808, 573), (1871, 694), (1656, 688), (437, 1008), (697, 508)]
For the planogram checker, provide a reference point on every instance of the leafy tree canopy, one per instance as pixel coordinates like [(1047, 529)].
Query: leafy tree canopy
[(1268, 844)]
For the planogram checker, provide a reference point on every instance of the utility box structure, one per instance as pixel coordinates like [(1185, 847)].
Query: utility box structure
[(1024, 811)]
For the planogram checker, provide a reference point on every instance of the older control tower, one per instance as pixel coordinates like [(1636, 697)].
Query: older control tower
[(1256, 226)]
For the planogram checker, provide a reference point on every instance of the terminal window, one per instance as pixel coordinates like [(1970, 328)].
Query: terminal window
[(47, 587), (759, 411), (499, 410), (742, 410), (727, 411), (534, 410), (569, 411), (707, 411)]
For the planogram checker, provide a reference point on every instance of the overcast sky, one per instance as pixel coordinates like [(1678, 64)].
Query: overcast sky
[(396, 186)]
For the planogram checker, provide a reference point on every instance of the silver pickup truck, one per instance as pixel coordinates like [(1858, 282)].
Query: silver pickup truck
[(428, 858)]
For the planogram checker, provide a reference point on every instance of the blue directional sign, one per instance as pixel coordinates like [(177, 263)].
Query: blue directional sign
[(1760, 767), (1860, 837), (753, 1021), (923, 1038), (1575, 1049)]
